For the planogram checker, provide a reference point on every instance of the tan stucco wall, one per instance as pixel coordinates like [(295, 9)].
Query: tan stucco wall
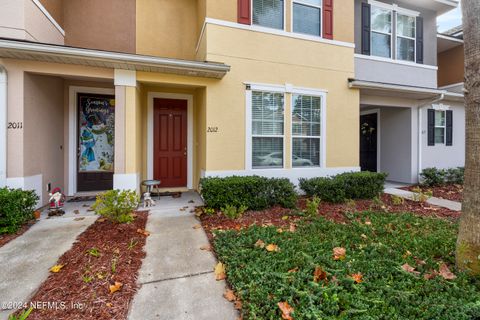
[(451, 66), (343, 18), (43, 130), (106, 24), (167, 28)]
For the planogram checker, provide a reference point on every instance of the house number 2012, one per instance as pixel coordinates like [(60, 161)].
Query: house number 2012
[(212, 129), (15, 125)]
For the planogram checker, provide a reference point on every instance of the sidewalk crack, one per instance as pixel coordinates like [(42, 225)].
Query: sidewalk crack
[(178, 277)]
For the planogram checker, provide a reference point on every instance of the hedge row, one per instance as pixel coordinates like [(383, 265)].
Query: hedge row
[(16, 208), (336, 189), (253, 192), (435, 177)]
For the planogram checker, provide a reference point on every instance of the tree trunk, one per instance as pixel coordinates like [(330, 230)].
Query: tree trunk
[(468, 243)]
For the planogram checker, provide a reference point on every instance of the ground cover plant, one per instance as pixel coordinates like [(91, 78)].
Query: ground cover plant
[(372, 265), (96, 278)]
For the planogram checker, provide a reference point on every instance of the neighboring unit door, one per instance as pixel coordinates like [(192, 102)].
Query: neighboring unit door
[(96, 125), (368, 142), (170, 142)]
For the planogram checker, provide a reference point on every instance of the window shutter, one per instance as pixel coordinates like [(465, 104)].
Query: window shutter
[(449, 125), (244, 12), (431, 127), (366, 29), (328, 19), (419, 40)]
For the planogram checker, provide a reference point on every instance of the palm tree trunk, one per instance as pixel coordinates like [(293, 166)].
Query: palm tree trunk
[(468, 243)]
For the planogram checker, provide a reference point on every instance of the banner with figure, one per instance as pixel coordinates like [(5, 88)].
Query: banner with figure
[(96, 133)]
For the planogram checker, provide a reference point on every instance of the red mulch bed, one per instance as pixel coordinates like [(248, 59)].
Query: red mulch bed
[(6, 238), (453, 192), (336, 212), (70, 286)]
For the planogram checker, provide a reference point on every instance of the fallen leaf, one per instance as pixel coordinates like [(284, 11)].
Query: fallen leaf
[(272, 247), (368, 222), (286, 310), (56, 268), (229, 295), (431, 275), (260, 244), (238, 305), (220, 271), (293, 270), (319, 275), (358, 277), (197, 226), (408, 268), (285, 218), (76, 211), (364, 236), (117, 250), (420, 262), (115, 287), (144, 232), (279, 230), (206, 247), (293, 227), (339, 253), (406, 254), (101, 220), (108, 304), (445, 273)]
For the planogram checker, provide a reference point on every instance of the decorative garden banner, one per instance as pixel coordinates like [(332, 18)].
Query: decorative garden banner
[(96, 140)]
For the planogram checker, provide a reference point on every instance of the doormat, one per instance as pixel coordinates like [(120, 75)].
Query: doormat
[(83, 198), (168, 194)]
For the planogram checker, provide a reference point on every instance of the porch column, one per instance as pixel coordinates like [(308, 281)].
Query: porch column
[(3, 127), (127, 166)]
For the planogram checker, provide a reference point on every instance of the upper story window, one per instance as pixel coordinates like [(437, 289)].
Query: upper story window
[(381, 32), (406, 31), (307, 17), (268, 13)]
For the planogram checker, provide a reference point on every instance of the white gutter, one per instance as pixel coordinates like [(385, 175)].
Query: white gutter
[(361, 84), (419, 143), (3, 127)]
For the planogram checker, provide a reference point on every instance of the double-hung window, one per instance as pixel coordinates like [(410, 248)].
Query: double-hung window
[(268, 13), (440, 126), (306, 130), (267, 129), (307, 17), (406, 32), (381, 32)]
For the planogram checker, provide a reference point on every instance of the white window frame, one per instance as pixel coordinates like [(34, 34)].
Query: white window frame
[(404, 37), (392, 54), (309, 5), (320, 137), (284, 28), (444, 127)]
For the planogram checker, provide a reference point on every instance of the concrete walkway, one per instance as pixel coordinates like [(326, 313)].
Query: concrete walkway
[(393, 189), (176, 278), (26, 260)]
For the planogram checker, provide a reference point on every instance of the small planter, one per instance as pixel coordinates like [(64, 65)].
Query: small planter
[(37, 214)]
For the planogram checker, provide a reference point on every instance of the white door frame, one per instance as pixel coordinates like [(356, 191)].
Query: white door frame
[(72, 131), (3, 126), (377, 111), (150, 138)]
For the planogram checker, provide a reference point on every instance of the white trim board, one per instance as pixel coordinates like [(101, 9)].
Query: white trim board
[(28, 183), (150, 124), (394, 61), (72, 131), (49, 16), (3, 127), (379, 135)]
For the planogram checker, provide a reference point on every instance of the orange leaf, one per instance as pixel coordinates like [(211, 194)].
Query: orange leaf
[(115, 287), (144, 232), (358, 277), (319, 275), (238, 305), (220, 271), (56, 268), (229, 295), (339, 253), (260, 244), (197, 226), (272, 247), (408, 268), (445, 273), (286, 310), (293, 227), (206, 247), (431, 275), (293, 270)]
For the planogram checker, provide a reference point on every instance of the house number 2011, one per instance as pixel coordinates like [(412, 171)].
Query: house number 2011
[(15, 125), (212, 129)]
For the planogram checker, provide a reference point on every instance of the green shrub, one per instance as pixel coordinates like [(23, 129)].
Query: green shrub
[(232, 212), (311, 208), (253, 192), (352, 185), (432, 177), (16, 208), (455, 175), (117, 206)]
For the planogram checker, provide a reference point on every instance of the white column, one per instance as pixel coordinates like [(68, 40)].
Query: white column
[(3, 127)]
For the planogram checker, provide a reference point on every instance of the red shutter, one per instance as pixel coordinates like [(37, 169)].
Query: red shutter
[(328, 19), (244, 12)]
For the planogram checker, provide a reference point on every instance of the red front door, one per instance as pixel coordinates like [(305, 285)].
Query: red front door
[(170, 142)]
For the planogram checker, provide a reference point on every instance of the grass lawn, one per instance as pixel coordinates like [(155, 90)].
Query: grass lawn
[(377, 246)]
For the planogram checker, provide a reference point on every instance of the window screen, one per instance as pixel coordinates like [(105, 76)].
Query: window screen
[(268, 13)]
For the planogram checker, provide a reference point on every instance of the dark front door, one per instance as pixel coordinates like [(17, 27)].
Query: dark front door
[(368, 142), (170, 142), (96, 124)]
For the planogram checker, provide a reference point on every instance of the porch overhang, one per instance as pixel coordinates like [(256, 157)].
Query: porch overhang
[(26, 50), (411, 92)]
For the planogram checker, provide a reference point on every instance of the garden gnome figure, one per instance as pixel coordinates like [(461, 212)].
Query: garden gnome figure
[(57, 201), (147, 200)]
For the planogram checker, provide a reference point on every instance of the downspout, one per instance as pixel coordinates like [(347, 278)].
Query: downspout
[(419, 143), (3, 126)]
